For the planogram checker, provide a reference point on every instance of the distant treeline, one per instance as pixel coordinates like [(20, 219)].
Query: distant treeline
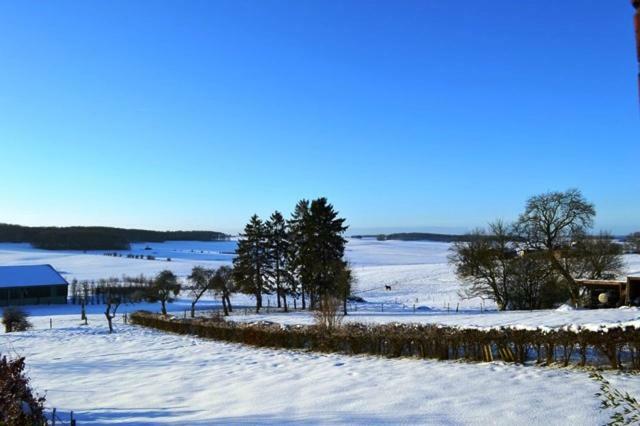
[(416, 236), (96, 237)]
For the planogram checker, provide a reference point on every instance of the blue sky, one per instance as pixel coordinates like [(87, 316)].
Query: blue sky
[(407, 115)]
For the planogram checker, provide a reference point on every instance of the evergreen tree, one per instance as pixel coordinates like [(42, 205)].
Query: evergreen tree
[(298, 250), (279, 255), (325, 250), (251, 265)]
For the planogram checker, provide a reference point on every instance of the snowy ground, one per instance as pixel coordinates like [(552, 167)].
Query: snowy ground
[(139, 376)]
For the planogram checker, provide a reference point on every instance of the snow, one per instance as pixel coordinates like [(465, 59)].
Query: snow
[(29, 275), (89, 266), (139, 376)]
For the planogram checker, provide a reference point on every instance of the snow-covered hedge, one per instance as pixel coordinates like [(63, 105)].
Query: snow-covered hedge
[(617, 347)]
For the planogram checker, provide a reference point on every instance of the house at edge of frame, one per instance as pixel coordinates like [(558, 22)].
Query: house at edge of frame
[(32, 285)]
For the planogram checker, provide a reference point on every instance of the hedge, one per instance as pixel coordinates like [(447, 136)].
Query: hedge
[(617, 347)]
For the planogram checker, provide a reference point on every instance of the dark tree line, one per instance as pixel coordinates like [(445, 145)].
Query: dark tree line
[(299, 258), (535, 262), (96, 237)]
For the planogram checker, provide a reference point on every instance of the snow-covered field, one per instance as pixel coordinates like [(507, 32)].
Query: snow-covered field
[(140, 376), (143, 377)]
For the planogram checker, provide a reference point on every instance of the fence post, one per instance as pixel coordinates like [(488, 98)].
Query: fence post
[(382, 307), (53, 418), (50, 323), (72, 421), (414, 308)]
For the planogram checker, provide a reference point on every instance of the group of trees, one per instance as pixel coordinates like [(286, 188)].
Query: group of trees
[(302, 257), (535, 262), (162, 288), (113, 292), (218, 281), (95, 237)]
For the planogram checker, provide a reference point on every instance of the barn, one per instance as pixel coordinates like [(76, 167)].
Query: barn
[(32, 285)]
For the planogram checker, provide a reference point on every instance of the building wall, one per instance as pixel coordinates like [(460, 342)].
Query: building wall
[(37, 295)]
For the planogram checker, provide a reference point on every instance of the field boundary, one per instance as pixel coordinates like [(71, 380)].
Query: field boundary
[(613, 347)]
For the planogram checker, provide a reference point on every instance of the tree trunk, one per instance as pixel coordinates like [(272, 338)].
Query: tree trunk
[(164, 307), (278, 292), (304, 302), (224, 307), (107, 314), (571, 282), (258, 302), (344, 302), (284, 303), (193, 309), (228, 302)]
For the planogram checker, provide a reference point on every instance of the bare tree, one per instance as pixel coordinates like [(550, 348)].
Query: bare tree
[(164, 288), (593, 257), (112, 301), (551, 222), (222, 284), (201, 282), (327, 313), (483, 263), (533, 283)]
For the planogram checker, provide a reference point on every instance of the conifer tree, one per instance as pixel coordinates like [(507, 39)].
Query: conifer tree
[(251, 265), (279, 256), (298, 249), (325, 250)]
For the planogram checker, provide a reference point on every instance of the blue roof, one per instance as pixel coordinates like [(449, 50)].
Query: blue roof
[(29, 275)]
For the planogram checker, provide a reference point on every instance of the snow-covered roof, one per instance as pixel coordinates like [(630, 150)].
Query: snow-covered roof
[(29, 275)]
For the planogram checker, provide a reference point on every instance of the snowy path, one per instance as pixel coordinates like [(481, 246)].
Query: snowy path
[(139, 376)]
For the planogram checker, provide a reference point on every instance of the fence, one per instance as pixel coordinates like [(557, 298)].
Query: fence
[(54, 419)]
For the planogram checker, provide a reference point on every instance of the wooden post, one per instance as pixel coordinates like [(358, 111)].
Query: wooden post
[(50, 323), (53, 418), (72, 421)]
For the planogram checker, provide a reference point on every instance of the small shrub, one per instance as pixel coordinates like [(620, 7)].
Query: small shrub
[(328, 315), (18, 405), (15, 319)]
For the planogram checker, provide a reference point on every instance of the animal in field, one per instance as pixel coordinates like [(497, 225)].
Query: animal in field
[(387, 287)]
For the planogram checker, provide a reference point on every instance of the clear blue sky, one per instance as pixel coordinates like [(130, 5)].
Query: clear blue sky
[(405, 114)]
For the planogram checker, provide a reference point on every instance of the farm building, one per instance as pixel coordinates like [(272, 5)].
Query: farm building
[(611, 293), (31, 285)]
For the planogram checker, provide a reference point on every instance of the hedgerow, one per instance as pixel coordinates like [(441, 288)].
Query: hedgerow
[(617, 347)]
